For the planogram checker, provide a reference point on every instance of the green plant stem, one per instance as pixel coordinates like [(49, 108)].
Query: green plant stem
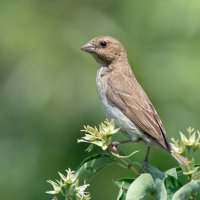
[(129, 166), (125, 161)]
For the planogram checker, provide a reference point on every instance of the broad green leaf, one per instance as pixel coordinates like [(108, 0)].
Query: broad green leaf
[(158, 177), (182, 177), (143, 185), (171, 182), (196, 174), (121, 195), (93, 164), (156, 173), (124, 182), (172, 172), (185, 192), (161, 192), (172, 185)]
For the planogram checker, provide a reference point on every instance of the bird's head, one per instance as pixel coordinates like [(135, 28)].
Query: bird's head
[(105, 49)]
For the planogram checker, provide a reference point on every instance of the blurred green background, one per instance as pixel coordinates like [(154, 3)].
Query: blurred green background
[(47, 85)]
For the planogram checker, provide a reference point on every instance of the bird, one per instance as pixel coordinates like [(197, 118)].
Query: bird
[(123, 98)]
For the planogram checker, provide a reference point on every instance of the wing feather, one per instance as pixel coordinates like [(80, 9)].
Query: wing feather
[(126, 94)]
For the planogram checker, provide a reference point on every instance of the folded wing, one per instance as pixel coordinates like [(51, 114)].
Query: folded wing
[(126, 94)]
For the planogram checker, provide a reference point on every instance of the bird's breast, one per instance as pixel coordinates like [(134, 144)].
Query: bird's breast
[(101, 83), (112, 111)]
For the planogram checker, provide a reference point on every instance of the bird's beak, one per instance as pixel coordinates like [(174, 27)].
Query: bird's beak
[(88, 48)]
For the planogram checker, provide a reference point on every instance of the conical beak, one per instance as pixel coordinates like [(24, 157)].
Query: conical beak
[(88, 48)]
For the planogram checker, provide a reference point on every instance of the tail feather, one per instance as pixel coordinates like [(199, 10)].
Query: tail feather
[(183, 161)]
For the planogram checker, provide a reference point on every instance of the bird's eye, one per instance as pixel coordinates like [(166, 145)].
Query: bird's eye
[(103, 44)]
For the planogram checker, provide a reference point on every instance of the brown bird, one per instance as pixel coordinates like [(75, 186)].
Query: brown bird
[(122, 97)]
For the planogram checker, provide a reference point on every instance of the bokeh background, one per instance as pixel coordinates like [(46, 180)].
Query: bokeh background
[(47, 85)]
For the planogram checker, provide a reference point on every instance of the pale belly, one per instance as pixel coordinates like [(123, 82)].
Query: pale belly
[(112, 112)]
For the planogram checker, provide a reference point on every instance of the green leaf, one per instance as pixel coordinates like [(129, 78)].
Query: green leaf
[(180, 171), (171, 182), (172, 185), (143, 185), (156, 173), (124, 182), (196, 174), (90, 148), (185, 192), (172, 172), (121, 195), (93, 164), (158, 177)]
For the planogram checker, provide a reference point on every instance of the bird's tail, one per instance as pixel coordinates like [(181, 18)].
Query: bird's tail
[(183, 161)]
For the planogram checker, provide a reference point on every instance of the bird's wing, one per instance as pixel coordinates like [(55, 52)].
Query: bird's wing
[(126, 94)]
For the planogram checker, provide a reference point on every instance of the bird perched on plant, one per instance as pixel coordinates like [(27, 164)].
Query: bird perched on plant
[(122, 97)]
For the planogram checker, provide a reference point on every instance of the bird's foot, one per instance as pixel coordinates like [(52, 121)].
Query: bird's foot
[(143, 167), (145, 164)]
